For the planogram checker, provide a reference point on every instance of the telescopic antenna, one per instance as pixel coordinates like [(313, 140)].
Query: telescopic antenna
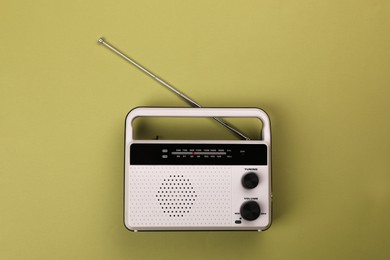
[(189, 100)]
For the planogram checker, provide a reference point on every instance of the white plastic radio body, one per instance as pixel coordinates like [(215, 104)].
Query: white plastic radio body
[(197, 185)]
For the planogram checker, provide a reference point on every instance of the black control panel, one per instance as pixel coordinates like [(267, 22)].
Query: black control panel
[(198, 154)]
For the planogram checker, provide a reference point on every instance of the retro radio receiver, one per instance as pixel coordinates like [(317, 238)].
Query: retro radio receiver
[(196, 184)]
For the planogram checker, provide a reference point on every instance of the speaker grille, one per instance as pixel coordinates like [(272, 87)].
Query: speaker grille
[(179, 196), (176, 196)]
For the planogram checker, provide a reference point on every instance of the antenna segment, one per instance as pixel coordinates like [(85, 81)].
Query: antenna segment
[(177, 92)]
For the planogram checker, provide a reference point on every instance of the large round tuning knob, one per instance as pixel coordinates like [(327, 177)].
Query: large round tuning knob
[(250, 210), (250, 180)]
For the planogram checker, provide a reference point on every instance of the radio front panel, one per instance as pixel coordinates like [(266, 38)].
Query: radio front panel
[(182, 185)]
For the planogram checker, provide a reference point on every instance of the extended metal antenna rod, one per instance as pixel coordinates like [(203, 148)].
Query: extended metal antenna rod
[(192, 102)]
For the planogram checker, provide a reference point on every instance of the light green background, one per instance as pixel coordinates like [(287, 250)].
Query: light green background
[(319, 68)]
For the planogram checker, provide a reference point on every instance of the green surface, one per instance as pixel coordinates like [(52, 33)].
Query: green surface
[(319, 68)]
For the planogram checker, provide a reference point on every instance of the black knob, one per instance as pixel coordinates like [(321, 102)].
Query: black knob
[(250, 180), (250, 210)]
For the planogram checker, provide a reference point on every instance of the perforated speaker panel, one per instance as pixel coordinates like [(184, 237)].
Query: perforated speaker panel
[(180, 196)]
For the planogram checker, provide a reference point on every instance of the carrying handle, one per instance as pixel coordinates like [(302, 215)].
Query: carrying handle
[(198, 112)]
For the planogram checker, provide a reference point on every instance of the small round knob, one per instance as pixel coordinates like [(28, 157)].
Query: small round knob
[(250, 210), (250, 180)]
